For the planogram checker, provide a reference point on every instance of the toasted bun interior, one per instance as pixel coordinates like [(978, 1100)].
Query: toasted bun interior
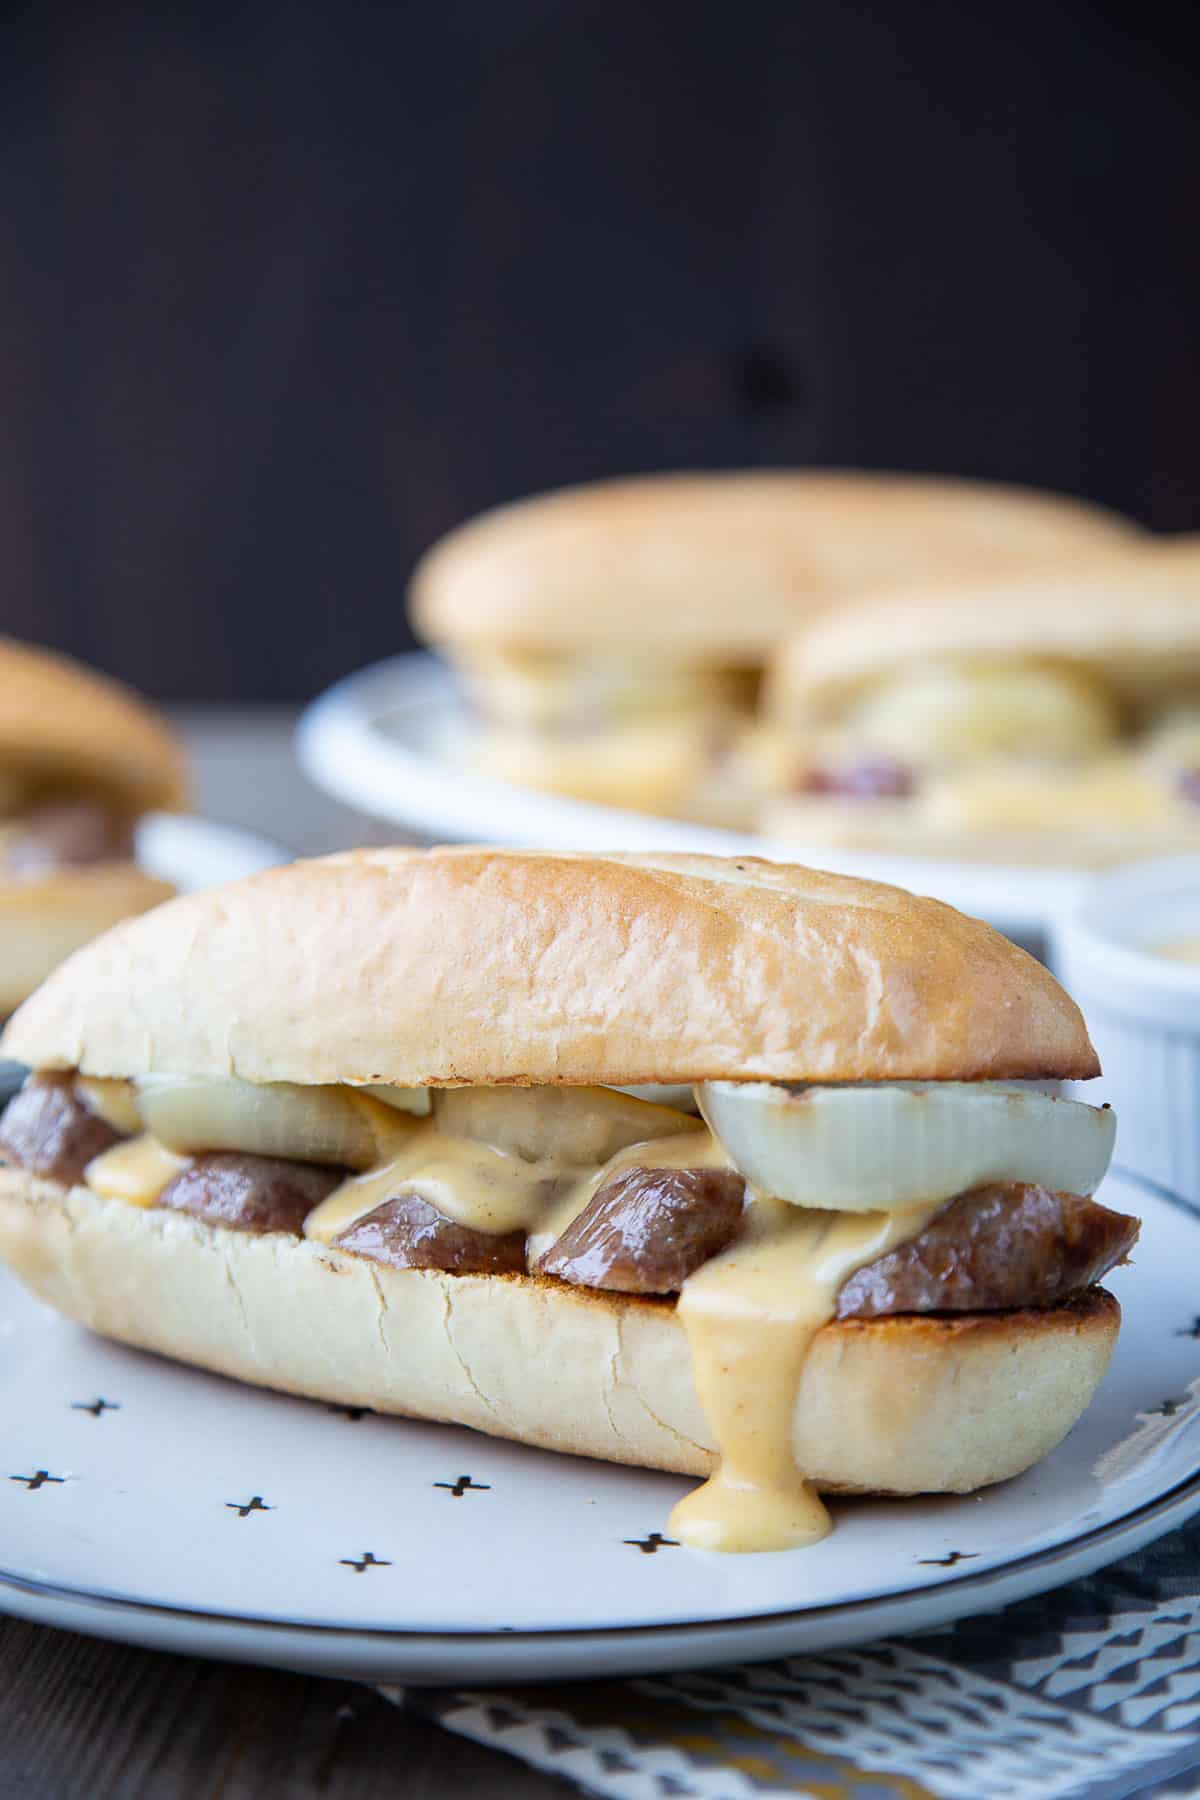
[(895, 1405), (489, 967)]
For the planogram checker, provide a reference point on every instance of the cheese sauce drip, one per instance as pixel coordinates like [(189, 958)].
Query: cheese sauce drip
[(750, 1316)]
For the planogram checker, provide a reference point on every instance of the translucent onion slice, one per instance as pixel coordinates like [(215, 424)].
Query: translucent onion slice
[(680, 1095), (877, 1147), (278, 1118), (572, 1126), (409, 1100)]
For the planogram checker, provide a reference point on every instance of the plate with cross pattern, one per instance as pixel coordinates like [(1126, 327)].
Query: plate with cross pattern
[(156, 1504)]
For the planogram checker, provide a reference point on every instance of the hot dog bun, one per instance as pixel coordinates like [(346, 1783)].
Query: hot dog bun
[(894, 1405), (718, 566), (1132, 614), (452, 966), (68, 732), (43, 921), (71, 726)]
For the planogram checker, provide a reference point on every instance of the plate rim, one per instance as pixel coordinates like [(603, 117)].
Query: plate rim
[(342, 751), (452, 1658), (1185, 1492), (254, 850)]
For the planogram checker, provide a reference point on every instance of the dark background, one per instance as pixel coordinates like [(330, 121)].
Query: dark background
[(287, 291)]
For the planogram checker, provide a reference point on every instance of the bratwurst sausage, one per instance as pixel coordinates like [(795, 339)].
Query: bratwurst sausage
[(1009, 1244)]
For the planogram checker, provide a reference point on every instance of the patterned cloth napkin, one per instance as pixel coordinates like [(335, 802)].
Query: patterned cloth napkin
[(1088, 1693)]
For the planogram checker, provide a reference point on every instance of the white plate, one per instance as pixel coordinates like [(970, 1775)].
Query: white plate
[(192, 1513), (373, 742), (194, 853)]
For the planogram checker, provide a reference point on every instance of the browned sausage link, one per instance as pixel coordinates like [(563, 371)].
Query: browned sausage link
[(249, 1193), (48, 1130), (406, 1232), (647, 1230), (1010, 1244), (67, 833)]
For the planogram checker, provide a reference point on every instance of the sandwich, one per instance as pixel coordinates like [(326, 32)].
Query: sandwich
[(1047, 716), (361, 1129), (81, 760), (610, 638)]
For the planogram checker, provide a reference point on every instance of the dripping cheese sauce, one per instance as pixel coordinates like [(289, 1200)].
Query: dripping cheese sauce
[(749, 1314)]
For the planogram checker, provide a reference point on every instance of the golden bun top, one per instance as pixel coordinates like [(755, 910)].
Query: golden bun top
[(1132, 614), (61, 722), (720, 565), (476, 966)]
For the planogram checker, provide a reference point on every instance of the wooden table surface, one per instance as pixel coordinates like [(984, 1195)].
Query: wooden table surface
[(83, 1718)]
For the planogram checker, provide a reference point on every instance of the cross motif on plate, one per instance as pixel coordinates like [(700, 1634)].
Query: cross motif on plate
[(648, 1546), (948, 1561), (1169, 1408), (38, 1479), (243, 1508), (1192, 1330), (95, 1407), (368, 1560), (458, 1488)]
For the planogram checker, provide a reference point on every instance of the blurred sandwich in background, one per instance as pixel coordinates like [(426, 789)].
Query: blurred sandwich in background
[(611, 638), (1050, 716), (81, 760)]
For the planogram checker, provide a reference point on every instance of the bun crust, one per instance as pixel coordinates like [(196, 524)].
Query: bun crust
[(898, 1406), (444, 967), (65, 722), (42, 921), (720, 566), (1134, 616)]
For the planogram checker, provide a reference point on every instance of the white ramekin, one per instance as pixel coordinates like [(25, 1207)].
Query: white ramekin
[(1143, 1011)]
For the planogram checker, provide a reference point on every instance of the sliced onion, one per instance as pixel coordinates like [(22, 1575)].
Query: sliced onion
[(680, 1095), (278, 1118), (877, 1147), (574, 1126), (404, 1099)]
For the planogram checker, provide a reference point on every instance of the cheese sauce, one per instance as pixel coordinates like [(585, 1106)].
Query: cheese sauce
[(471, 1183), (537, 1159), (136, 1171), (490, 1190), (750, 1316)]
